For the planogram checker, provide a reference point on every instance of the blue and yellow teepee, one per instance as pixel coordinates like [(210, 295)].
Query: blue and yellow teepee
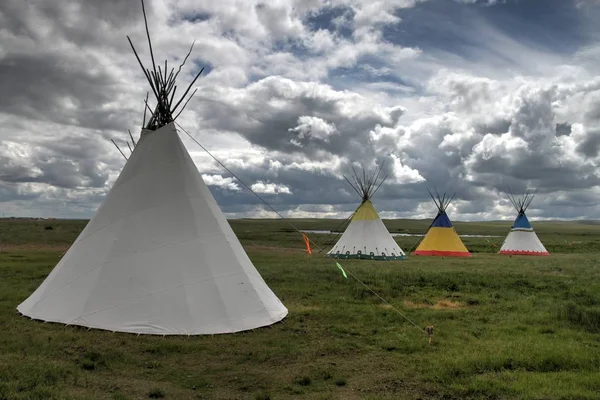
[(441, 238)]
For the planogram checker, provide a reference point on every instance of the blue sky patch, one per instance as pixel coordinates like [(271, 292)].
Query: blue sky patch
[(555, 25)]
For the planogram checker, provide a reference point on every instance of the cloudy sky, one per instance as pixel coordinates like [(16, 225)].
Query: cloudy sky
[(468, 96)]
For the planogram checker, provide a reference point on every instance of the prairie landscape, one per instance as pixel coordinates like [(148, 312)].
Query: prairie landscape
[(505, 327)]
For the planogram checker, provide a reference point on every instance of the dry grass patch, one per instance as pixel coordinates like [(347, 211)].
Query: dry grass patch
[(443, 304), (447, 304), (411, 304)]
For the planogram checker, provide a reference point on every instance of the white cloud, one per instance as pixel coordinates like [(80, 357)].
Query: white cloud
[(222, 182), (313, 128), (403, 173), (270, 188)]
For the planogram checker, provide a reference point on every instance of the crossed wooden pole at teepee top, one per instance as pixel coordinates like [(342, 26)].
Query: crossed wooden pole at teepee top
[(163, 86), (523, 202), (366, 186), (441, 201)]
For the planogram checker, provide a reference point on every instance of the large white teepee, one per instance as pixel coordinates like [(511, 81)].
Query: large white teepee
[(522, 239), (158, 257), (366, 237)]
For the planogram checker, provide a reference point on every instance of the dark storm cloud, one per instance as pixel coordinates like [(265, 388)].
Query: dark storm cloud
[(545, 178), (519, 153), (516, 142), (266, 113), (27, 201), (58, 75), (562, 129), (307, 187), (71, 162), (548, 170), (56, 62), (12, 172), (439, 166), (57, 88), (319, 187), (590, 145), (583, 198), (10, 191)]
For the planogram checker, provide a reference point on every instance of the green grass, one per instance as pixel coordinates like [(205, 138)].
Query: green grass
[(512, 327)]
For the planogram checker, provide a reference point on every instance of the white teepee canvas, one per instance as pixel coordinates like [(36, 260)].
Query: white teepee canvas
[(522, 239), (158, 257), (366, 237)]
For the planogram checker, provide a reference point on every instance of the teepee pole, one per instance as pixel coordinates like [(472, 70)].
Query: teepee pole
[(148, 34), (131, 136), (118, 148)]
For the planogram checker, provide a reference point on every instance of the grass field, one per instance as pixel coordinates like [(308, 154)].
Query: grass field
[(505, 327)]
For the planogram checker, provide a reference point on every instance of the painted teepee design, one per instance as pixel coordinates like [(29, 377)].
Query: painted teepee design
[(522, 239), (158, 257), (441, 238), (366, 237)]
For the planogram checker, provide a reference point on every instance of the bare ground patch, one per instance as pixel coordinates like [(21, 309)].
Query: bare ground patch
[(443, 304), (411, 304), (447, 304)]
